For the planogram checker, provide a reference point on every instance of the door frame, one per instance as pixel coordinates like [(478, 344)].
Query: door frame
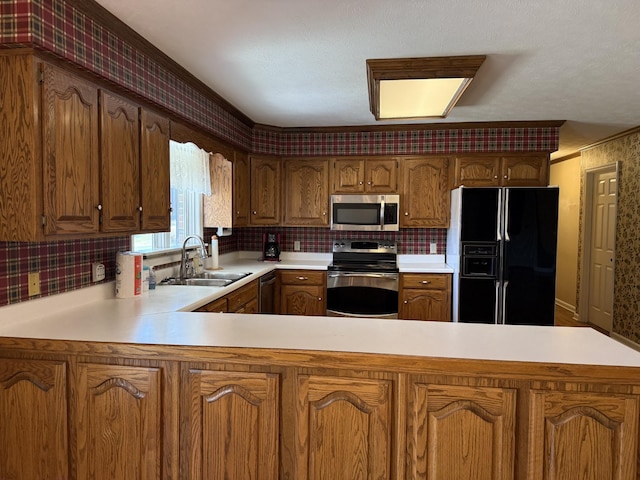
[(589, 179)]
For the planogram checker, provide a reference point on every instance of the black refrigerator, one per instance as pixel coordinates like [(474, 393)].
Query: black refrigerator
[(502, 245)]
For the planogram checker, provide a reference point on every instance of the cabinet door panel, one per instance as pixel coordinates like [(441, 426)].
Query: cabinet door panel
[(118, 422), (426, 305), (344, 428), (477, 171), (459, 432), (119, 164), (583, 435), (33, 419), (265, 191), (241, 194), (70, 153), (426, 195), (381, 176), (525, 171), (307, 192), (348, 176), (302, 300), (155, 176), (233, 425)]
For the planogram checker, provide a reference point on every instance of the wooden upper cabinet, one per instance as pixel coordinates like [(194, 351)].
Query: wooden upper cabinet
[(70, 137), (477, 172), (525, 170), (266, 174), (495, 171), (218, 209), (241, 190), (155, 179), (425, 193), (119, 422), (581, 434), (344, 428), (306, 192), (438, 415), (119, 164), (352, 175), (33, 419)]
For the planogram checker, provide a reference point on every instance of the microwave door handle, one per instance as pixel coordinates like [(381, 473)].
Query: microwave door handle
[(382, 214)]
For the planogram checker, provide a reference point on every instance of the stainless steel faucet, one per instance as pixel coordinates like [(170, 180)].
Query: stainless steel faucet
[(185, 256)]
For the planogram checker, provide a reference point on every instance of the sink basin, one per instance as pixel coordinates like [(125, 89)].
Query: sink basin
[(208, 279), (233, 276)]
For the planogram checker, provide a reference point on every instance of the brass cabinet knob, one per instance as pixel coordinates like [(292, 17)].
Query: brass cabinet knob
[(99, 207)]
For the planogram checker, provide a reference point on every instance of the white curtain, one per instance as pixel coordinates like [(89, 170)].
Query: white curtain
[(189, 168)]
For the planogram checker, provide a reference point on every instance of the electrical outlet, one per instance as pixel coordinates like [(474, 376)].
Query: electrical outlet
[(296, 245), (433, 247), (97, 270), (34, 283)]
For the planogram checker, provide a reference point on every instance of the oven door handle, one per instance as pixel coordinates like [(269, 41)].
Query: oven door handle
[(363, 274)]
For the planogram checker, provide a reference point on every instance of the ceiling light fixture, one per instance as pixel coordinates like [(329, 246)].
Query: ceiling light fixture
[(418, 87)]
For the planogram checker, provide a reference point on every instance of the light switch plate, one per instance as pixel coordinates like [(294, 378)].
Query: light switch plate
[(433, 247), (296, 245), (34, 283)]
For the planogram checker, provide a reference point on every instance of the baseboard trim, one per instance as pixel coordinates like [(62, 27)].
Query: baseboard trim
[(565, 305), (626, 341)]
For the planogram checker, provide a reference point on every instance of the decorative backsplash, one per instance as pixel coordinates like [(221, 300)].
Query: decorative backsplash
[(63, 266), (319, 240)]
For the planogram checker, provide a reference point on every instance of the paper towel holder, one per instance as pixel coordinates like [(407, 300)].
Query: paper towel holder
[(224, 231)]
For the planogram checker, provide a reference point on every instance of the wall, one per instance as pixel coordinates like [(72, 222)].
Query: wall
[(566, 175), (72, 30), (626, 301)]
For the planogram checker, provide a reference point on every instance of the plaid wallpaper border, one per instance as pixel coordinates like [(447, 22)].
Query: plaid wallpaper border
[(63, 266), (409, 142), (414, 241), (60, 28)]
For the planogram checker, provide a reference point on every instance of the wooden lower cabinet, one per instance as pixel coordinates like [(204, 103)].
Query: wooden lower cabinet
[(33, 419), (163, 412), (344, 428), (118, 422), (233, 425), (577, 434), (302, 292), (457, 431), (425, 296)]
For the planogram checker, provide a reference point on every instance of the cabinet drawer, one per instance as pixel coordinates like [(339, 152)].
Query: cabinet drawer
[(431, 281), (216, 306), (302, 277), (242, 296)]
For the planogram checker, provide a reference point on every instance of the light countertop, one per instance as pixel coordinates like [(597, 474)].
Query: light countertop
[(162, 317)]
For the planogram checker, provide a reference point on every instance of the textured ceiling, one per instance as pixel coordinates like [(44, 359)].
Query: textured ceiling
[(301, 63)]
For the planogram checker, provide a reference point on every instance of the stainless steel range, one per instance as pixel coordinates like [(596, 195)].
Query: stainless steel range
[(362, 281)]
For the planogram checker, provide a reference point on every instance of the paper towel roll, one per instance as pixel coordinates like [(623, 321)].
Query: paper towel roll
[(128, 274), (211, 262)]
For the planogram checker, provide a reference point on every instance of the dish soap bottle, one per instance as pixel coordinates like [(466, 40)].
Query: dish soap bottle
[(197, 263)]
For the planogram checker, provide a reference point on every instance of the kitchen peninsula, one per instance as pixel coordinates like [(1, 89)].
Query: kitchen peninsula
[(135, 388)]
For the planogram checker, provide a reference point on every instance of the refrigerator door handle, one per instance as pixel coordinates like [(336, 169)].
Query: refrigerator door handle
[(499, 216), (506, 217), (504, 301), (496, 310)]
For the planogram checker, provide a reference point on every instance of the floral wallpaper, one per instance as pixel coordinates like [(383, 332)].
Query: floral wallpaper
[(626, 301)]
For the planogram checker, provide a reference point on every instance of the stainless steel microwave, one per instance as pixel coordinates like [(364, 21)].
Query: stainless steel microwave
[(373, 213)]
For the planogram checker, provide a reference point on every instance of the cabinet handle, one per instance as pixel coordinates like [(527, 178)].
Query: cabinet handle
[(324, 214), (140, 208), (495, 176), (506, 176), (359, 183), (319, 299), (425, 282), (99, 207), (302, 278), (369, 183), (406, 214), (406, 301), (254, 212)]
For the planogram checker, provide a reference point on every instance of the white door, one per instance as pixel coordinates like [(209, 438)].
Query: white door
[(603, 234)]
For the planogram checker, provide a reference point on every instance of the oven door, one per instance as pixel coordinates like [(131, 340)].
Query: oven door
[(362, 294)]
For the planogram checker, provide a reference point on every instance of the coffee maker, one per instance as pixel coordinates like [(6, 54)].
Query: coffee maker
[(271, 247)]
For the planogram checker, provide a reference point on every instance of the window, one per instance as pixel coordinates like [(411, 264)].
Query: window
[(190, 180)]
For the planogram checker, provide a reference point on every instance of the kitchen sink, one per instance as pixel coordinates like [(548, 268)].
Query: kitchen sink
[(208, 279)]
